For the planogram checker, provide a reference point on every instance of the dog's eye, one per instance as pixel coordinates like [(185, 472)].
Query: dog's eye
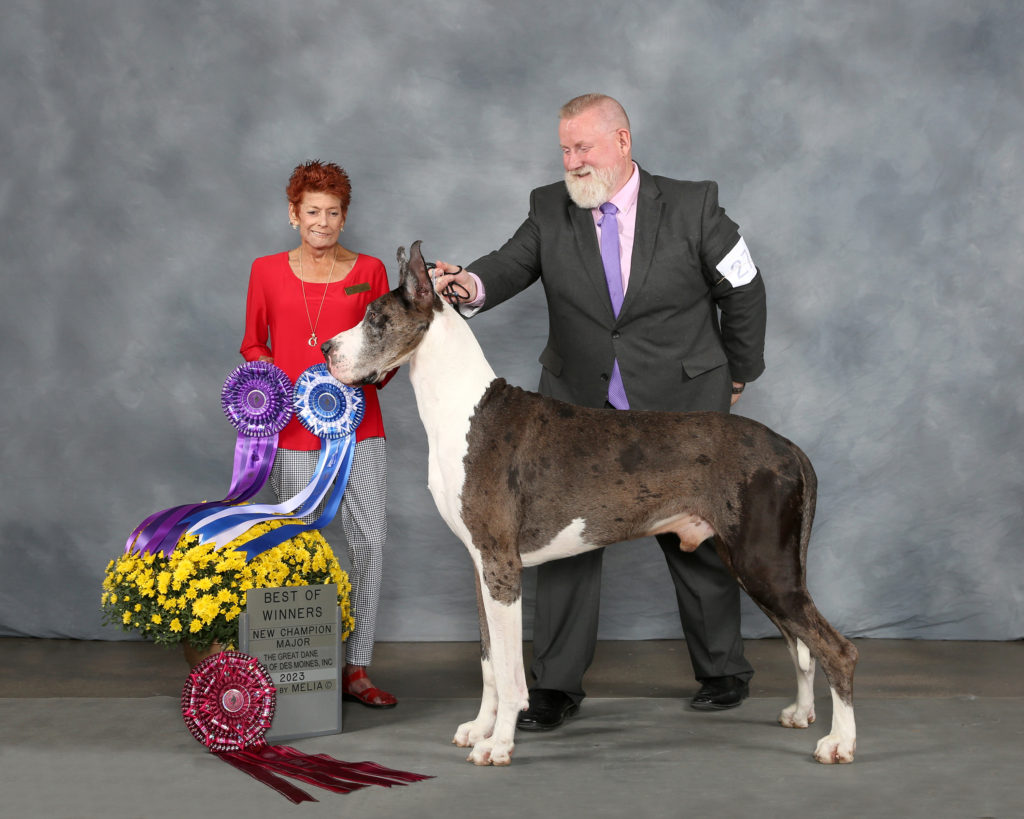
[(375, 322)]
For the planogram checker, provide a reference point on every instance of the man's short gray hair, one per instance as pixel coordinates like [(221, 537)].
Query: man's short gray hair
[(614, 111)]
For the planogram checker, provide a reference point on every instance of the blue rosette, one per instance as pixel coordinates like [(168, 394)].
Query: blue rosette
[(325, 406)]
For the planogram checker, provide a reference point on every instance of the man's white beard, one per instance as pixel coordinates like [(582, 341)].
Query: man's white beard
[(592, 190)]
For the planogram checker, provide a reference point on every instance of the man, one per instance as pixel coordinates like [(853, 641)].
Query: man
[(654, 304)]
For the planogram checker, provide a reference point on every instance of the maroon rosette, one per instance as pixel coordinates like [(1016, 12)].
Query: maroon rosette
[(228, 704), (228, 701)]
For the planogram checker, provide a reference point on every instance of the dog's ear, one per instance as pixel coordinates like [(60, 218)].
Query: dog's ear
[(412, 274)]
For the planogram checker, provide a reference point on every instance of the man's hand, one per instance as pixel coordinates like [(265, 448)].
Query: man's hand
[(737, 391), (445, 274)]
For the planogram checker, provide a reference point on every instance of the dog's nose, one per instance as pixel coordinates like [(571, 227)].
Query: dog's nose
[(325, 348)]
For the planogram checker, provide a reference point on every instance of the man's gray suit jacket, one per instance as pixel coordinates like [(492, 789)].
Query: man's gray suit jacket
[(680, 320)]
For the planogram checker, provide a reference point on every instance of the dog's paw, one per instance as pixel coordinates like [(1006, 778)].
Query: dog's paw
[(490, 752), (470, 733), (835, 749), (796, 716)]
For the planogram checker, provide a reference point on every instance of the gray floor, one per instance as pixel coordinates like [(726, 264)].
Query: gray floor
[(94, 730)]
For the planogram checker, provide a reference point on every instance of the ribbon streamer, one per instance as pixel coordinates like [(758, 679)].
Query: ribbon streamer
[(228, 703), (256, 398), (328, 409)]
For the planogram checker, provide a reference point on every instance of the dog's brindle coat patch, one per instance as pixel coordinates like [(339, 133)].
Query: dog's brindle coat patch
[(521, 479)]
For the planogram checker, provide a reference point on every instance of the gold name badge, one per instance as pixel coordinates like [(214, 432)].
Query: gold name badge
[(357, 288)]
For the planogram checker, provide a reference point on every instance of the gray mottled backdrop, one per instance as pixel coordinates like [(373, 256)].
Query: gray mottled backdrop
[(871, 152)]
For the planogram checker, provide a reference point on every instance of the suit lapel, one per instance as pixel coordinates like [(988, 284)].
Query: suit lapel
[(590, 253), (648, 219)]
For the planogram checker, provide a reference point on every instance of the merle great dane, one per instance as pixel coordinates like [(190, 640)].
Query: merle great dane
[(522, 479)]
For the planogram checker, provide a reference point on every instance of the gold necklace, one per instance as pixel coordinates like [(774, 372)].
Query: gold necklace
[(302, 283)]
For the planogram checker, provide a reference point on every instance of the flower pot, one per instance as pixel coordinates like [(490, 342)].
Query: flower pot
[(194, 656)]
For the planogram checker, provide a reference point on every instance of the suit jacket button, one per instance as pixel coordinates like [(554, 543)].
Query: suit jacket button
[(604, 376), (616, 334)]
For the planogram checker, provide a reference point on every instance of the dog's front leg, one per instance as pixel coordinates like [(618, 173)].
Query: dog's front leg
[(482, 726), (505, 623), (470, 733), (503, 609)]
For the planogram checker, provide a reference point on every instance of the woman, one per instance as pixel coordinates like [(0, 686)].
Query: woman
[(296, 301)]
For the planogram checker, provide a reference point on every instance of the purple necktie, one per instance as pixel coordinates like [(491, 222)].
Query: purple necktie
[(613, 275)]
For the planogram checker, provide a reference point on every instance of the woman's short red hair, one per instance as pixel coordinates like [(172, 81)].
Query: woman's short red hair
[(319, 177)]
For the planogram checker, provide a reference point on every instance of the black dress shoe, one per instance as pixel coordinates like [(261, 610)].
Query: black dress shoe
[(548, 709), (720, 693)]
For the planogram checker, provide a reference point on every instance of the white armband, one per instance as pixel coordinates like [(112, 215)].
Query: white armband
[(737, 266)]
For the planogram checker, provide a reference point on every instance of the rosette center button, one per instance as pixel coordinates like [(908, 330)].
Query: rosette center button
[(256, 399), (327, 403), (234, 700)]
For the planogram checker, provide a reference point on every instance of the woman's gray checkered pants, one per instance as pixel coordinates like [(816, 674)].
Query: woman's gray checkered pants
[(364, 521)]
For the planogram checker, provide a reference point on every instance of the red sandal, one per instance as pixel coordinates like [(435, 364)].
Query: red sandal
[(371, 697)]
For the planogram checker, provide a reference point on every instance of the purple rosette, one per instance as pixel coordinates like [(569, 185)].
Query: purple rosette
[(257, 399)]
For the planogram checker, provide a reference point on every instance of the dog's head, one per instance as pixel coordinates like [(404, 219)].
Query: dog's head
[(391, 330)]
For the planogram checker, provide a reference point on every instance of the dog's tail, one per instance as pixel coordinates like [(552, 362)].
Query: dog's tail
[(810, 500)]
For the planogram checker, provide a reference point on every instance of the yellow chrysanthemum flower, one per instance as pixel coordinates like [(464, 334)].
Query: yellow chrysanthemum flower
[(183, 571), (200, 589), (205, 608)]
